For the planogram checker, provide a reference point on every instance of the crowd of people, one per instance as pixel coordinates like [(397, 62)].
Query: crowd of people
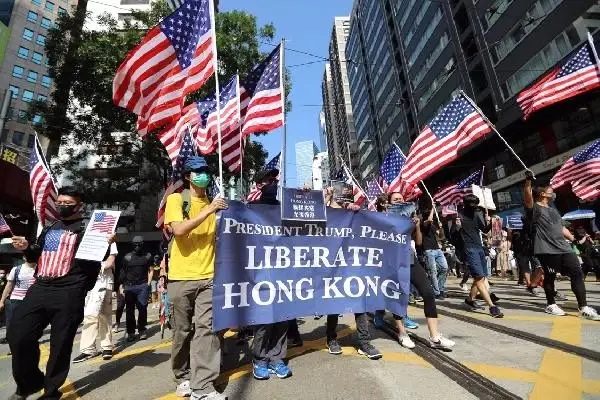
[(51, 287)]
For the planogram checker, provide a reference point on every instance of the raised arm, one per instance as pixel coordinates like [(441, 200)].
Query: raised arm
[(417, 234), (528, 190), (184, 227)]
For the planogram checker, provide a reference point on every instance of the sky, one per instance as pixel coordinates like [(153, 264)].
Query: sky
[(306, 25)]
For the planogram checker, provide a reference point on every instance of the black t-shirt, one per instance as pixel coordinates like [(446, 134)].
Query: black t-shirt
[(428, 229), (472, 226), (81, 272), (547, 227), (135, 269)]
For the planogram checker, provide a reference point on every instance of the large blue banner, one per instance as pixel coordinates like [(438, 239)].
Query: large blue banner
[(266, 272)]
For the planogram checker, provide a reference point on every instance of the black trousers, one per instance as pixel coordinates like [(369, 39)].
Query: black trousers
[(120, 308), (62, 308), (270, 342), (567, 264), (362, 327), (136, 296)]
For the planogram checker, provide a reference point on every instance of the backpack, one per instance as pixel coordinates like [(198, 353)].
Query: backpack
[(186, 206)]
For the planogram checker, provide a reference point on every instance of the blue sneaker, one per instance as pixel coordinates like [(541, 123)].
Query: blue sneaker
[(409, 323), (280, 369), (378, 321), (260, 370)]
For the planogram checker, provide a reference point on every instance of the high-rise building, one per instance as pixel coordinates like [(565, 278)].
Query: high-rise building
[(322, 132), (320, 171), (341, 132), (120, 10), (305, 153), (409, 57)]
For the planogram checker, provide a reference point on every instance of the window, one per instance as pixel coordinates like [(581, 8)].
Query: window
[(17, 138), (41, 40), (42, 97), (14, 90), (32, 76), (18, 71), (61, 11), (130, 2), (37, 2), (27, 34), (37, 119), (32, 16), (27, 96), (46, 81), (49, 6), (30, 141), (46, 23), (22, 115), (36, 57), (23, 52)]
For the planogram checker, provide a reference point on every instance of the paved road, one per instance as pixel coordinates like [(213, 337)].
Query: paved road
[(528, 354)]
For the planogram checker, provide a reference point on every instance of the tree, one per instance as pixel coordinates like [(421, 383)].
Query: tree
[(92, 115)]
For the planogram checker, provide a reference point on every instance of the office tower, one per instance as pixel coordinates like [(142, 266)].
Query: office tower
[(305, 153)]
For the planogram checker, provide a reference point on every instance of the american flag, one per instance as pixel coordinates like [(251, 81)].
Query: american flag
[(172, 137), (264, 85), (456, 127), (176, 185), (103, 223), (577, 74), (391, 173), (57, 253), (174, 59), (359, 196), (255, 193), (582, 171), (3, 225), (43, 191), (215, 188), (22, 285), (453, 194), (373, 193)]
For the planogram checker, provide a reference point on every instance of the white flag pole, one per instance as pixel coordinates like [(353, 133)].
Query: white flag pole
[(494, 129), (217, 95), (354, 181), (239, 118), (591, 41), (282, 159)]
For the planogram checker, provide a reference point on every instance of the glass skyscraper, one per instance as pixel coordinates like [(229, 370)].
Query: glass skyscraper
[(305, 153)]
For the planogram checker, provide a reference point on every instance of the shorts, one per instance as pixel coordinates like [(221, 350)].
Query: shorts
[(153, 286), (475, 259)]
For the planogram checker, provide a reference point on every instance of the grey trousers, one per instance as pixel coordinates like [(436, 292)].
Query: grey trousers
[(270, 342), (196, 354)]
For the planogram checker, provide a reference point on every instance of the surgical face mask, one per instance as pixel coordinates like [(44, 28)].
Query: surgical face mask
[(66, 211), (200, 179)]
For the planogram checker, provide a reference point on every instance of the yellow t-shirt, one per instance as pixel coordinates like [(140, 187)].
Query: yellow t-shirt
[(192, 256)]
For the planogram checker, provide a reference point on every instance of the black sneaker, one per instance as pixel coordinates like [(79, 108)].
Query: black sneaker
[(143, 335), (494, 298), (294, 342), (440, 296), (474, 305), (334, 347), (131, 337), (83, 357), (107, 354), (495, 312), (370, 351)]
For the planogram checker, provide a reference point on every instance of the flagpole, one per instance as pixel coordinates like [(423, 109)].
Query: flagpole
[(282, 160), (352, 177), (482, 174), (239, 107), (591, 40), (494, 129), (424, 187), (217, 95)]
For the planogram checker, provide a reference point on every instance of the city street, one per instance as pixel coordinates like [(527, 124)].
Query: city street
[(528, 354)]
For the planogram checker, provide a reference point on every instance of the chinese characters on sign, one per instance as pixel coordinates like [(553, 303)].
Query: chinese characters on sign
[(303, 205)]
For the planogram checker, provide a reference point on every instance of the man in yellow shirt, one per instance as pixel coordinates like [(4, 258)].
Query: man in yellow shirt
[(196, 354)]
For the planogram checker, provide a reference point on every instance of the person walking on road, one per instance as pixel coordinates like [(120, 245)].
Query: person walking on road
[(98, 313), (437, 266), (551, 246), (190, 217), (135, 282), (470, 224), (155, 274), (57, 298)]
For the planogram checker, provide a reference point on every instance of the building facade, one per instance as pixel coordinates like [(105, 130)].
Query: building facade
[(305, 153), (320, 171), (120, 10), (337, 99), (322, 132), (418, 54)]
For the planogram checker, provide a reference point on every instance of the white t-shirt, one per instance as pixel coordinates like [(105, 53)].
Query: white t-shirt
[(107, 275), (24, 281)]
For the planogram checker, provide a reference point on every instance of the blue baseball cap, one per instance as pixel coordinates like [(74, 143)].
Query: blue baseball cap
[(194, 163)]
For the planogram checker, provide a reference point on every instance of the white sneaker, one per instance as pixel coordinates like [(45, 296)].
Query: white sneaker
[(588, 312), (406, 341), (183, 389), (209, 396), (441, 342), (555, 310), (464, 288)]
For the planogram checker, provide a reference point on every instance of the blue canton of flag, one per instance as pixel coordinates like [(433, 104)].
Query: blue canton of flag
[(451, 117), (373, 189), (392, 165), (273, 164), (187, 150), (583, 59), (185, 27), (473, 179), (588, 153)]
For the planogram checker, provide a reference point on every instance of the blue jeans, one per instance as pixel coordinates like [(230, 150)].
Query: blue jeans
[(136, 296), (437, 267)]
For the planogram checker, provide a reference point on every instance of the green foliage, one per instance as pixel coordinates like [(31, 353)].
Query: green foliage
[(92, 114)]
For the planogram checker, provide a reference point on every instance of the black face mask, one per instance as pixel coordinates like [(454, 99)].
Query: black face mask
[(66, 211), (269, 191), (138, 249)]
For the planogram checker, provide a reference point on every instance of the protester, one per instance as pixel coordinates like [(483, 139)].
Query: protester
[(154, 275), (19, 281), (502, 256), (3, 284), (98, 313), (196, 350), (362, 322), (469, 224), (588, 253), (437, 265), (269, 347), (135, 281), (419, 279), (550, 246), (57, 298)]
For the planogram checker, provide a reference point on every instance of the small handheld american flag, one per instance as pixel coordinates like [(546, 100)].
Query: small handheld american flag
[(391, 173), (103, 223), (43, 190), (582, 171), (3, 225), (453, 194), (373, 193)]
